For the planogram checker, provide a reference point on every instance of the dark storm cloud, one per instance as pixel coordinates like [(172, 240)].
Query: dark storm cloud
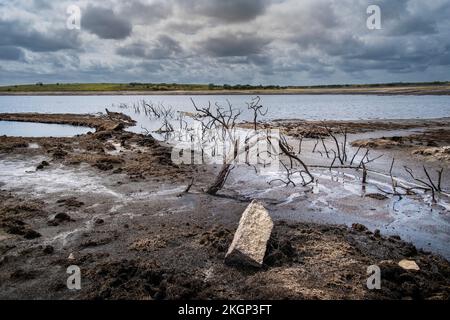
[(19, 34), (229, 10), (164, 47), (233, 45), (146, 13), (11, 53), (395, 56), (105, 23), (232, 41), (406, 17), (400, 47), (413, 26)]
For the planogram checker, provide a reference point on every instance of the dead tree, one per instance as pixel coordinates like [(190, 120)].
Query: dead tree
[(339, 154), (257, 110), (393, 182), (287, 150), (224, 119), (300, 142), (429, 185)]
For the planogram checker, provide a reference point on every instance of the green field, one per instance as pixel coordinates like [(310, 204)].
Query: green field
[(170, 87)]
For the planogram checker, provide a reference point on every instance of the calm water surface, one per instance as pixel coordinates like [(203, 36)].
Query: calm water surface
[(309, 107), (27, 129)]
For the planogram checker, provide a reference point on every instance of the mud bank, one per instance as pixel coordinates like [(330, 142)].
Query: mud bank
[(431, 143), (313, 129), (158, 253), (112, 203), (101, 122)]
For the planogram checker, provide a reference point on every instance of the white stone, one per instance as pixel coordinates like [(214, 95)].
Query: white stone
[(409, 265), (250, 240)]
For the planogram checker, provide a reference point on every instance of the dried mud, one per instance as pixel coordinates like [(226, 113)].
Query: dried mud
[(145, 240)]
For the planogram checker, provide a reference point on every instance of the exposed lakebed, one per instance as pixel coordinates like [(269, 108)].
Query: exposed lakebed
[(122, 196)]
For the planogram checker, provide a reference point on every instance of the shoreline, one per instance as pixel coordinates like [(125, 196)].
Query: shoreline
[(383, 91)]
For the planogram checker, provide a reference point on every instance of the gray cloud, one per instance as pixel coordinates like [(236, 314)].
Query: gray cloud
[(18, 33), (415, 25), (146, 13), (233, 45), (105, 23), (11, 53), (164, 47), (232, 41), (229, 10)]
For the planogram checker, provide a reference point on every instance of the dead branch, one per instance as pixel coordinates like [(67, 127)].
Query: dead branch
[(429, 186), (289, 174), (354, 156), (440, 173), (338, 148), (257, 110), (325, 147), (188, 188), (364, 178), (286, 149), (300, 145)]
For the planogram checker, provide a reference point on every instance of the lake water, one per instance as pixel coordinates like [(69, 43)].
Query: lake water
[(27, 129), (309, 107)]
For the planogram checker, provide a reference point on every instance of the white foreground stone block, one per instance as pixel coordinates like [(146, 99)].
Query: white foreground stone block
[(250, 240)]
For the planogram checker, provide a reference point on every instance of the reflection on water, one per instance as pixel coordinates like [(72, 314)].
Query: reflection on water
[(32, 129), (309, 107)]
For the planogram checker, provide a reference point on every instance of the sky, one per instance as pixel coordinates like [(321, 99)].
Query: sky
[(282, 42)]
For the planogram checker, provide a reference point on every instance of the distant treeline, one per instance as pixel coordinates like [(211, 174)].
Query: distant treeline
[(138, 86), (376, 85)]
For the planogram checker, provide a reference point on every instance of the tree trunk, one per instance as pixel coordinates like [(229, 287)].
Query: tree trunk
[(220, 180)]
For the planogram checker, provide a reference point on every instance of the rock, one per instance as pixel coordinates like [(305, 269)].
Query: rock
[(409, 250), (104, 166), (359, 227), (118, 127), (71, 257), (409, 265), (118, 171), (60, 218), (42, 165), (250, 240), (63, 217), (377, 233), (48, 250), (31, 234), (376, 196), (58, 153), (70, 202)]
